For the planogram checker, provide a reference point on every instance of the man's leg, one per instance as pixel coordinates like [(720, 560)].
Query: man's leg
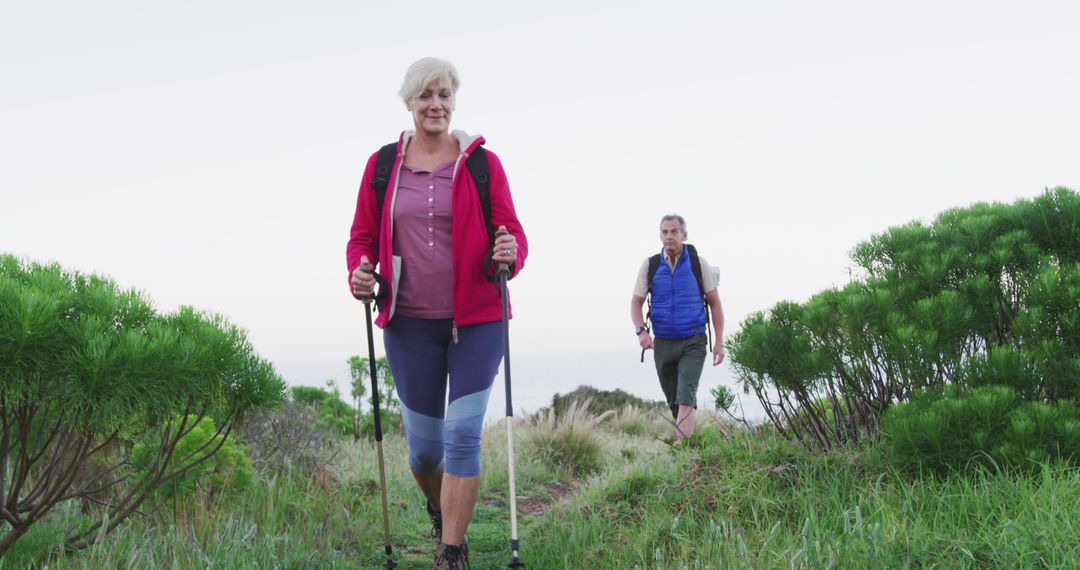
[(691, 362), (666, 358), (685, 423)]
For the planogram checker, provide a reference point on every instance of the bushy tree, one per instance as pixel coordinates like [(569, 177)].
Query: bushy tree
[(984, 295), (360, 374), (334, 414), (87, 370)]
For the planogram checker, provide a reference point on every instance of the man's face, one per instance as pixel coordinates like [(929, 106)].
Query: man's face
[(672, 236)]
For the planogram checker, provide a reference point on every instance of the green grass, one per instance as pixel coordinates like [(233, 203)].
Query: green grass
[(743, 502), (735, 501)]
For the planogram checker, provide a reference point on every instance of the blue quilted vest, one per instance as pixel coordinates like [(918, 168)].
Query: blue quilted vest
[(676, 309)]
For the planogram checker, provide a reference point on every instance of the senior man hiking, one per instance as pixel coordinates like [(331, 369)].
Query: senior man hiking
[(676, 285)]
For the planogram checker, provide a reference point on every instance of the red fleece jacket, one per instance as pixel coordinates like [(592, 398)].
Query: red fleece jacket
[(476, 300)]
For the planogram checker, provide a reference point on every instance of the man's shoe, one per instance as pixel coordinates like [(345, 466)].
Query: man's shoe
[(451, 556)]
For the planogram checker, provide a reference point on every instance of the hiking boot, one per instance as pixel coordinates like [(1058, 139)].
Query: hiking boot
[(452, 556), (436, 523)]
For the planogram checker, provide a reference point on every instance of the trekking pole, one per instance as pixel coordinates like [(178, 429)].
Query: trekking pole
[(504, 271), (389, 564)]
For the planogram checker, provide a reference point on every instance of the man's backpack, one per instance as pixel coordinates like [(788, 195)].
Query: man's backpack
[(695, 266), (478, 168)]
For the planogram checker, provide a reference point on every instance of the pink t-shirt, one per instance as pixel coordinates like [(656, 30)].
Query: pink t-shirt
[(422, 239)]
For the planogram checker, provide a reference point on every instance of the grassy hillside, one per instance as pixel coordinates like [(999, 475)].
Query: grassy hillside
[(611, 491)]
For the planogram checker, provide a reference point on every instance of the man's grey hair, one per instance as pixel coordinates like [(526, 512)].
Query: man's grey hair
[(423, 72), (669, 217)]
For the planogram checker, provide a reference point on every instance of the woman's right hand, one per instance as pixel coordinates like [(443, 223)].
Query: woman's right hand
[(363, 282)]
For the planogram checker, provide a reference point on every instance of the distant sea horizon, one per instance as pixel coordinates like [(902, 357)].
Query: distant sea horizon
[(538, 376)]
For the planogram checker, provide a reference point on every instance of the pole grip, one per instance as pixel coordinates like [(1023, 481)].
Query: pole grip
[(367, 268), (502, 268)]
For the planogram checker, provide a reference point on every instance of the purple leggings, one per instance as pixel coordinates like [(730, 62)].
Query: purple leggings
[(423, 357)]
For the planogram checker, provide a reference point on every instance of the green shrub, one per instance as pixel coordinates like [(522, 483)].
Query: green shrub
[(391, 423), (946, 431), (88, 369), (220, 466), (982, 296), (1003, 366), (335, 415), (601, 401), (310, 395), (635, 422), (569, 442)]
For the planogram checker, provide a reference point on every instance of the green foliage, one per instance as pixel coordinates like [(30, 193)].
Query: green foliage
[(633, 421), (335, 415), (747, 500), (723, 398), (390, 406), (391, 423), (87, 368), (309, 395), (569, 441), (220, 465), (601, 401), (984, 295), (704, 437), (948, 431), (360, 374)]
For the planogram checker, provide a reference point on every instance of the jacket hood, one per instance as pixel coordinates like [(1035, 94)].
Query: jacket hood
[(467, 142)]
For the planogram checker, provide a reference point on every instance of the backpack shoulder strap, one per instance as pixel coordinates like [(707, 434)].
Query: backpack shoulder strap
[(384, 163), (695, 265), (478, 168), (654, 266)]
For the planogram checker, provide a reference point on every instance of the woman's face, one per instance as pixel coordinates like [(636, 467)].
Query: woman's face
[(432, 108)]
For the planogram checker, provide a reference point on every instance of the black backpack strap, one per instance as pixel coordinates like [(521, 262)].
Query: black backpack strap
[(478, 168), (654, 266), (695, 265), (384, 164), (481, 175)]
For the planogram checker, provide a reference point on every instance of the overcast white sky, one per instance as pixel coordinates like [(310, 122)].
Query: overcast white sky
[(209, 153)]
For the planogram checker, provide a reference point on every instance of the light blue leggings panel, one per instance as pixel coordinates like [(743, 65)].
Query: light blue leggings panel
[(425, 361)]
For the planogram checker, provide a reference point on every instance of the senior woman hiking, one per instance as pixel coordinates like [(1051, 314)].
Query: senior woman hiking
[(426, 218)]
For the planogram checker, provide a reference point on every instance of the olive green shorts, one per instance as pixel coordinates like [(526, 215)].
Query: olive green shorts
[(678, 364)]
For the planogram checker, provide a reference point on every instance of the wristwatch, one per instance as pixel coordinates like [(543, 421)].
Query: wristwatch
[(639, 330)]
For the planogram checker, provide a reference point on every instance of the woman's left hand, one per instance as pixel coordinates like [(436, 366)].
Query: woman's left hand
[(505, 250)]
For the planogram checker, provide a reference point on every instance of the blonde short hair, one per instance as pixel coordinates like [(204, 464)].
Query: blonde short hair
[(423, 72)]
